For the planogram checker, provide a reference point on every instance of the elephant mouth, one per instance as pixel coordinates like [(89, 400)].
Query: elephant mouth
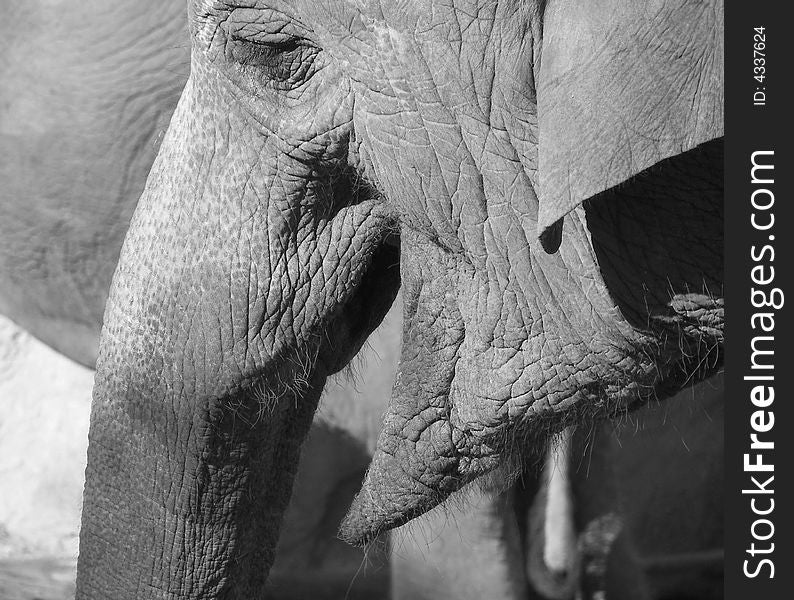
[(463, 407), (354, 320)]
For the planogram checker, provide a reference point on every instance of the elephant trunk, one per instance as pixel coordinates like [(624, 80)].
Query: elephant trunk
[(194, 486), (226, 315)]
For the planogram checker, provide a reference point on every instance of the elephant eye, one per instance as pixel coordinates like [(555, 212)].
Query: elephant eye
[(285, 61)]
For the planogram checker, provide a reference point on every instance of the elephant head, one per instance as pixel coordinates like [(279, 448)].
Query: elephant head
[(547, 177)]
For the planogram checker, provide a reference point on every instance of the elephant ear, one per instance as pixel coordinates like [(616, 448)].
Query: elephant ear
[(622, 85)]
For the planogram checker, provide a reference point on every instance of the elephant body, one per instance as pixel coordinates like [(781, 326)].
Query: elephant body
[(557, 241), (88, 89)]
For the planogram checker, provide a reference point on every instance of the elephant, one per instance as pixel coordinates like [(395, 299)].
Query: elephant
[(362, 178), (542, 179), (82, 114), (81, 118)]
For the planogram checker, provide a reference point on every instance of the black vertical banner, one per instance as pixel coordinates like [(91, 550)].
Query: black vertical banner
[(759, 229)]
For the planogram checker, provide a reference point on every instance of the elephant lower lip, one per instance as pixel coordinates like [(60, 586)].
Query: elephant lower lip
[(358, 529), (411, 476)]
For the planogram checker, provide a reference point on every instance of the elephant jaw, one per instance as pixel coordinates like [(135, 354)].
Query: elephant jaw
[(452, 417), (484, 380)]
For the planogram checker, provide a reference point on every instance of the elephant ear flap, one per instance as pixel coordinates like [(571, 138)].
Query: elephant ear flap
[(622, 85)]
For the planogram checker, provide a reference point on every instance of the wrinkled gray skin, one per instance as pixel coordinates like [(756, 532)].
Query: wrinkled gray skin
[(314, 137), (87, 89), (81, 115), (86, 92)]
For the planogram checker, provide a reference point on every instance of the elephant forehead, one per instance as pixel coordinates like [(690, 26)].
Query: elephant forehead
[(437, 53)]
